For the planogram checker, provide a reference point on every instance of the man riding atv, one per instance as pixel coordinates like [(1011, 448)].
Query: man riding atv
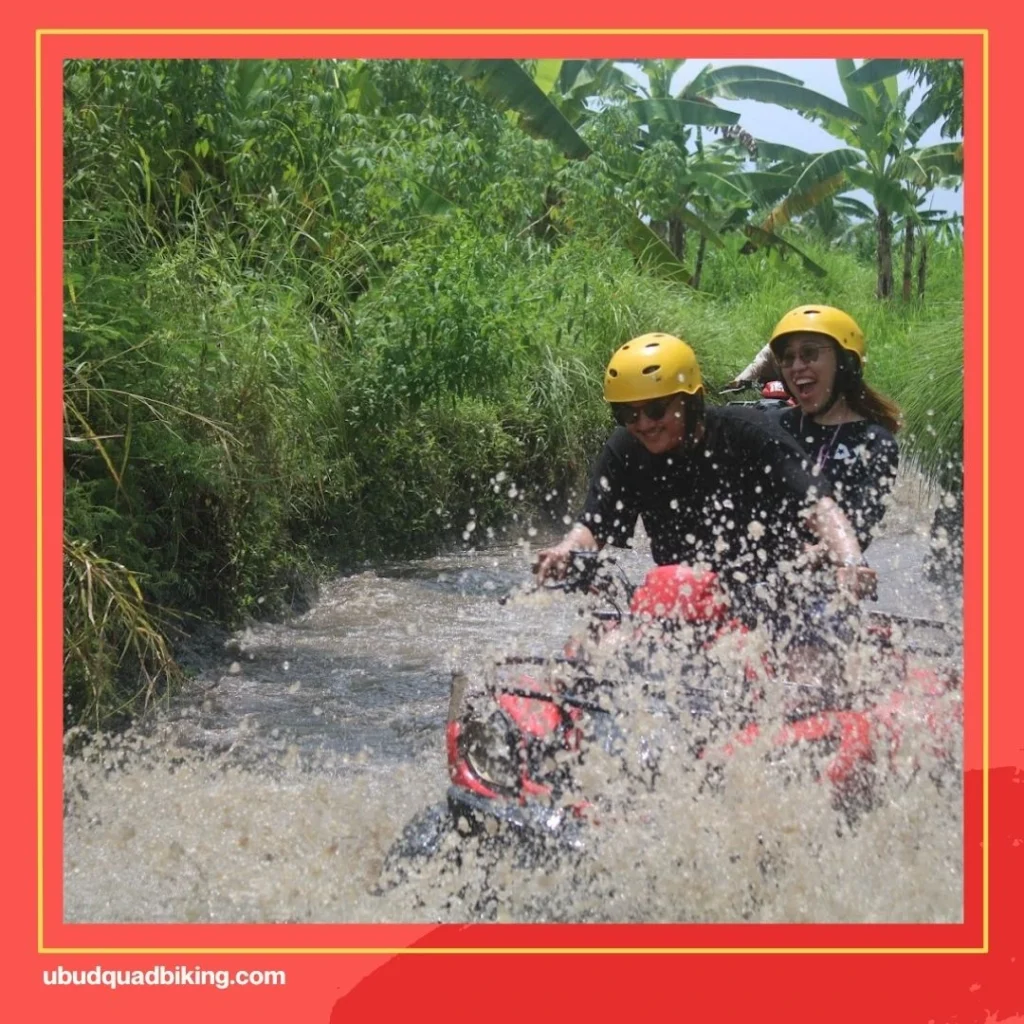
[(665, 670), (722, 488)]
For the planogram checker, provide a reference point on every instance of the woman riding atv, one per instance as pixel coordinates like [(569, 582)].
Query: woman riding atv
[(843, 424), (720, 487)]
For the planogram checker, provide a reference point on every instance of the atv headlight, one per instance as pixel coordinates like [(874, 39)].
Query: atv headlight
[(489, 748)]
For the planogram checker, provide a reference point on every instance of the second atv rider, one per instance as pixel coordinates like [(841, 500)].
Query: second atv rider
[(843, 424), (723, 488)]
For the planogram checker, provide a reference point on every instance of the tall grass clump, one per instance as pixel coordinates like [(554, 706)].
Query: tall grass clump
[(117, 659), (931, 396)]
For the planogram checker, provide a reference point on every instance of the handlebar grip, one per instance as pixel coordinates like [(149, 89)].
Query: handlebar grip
[(865, 585), (581, 569)]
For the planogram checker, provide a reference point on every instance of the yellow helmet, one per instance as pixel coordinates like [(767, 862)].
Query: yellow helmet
[(651, 366), (827, 320)]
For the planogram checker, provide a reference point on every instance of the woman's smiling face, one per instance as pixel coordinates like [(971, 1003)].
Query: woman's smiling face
[(809, 363)]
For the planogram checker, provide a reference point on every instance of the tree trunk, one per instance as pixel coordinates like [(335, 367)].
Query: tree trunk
[(700, 261), (908, 259), (922, 265), (677, 238), (884, 289)]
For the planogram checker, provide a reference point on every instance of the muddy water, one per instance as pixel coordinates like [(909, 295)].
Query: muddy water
[(272, 790)]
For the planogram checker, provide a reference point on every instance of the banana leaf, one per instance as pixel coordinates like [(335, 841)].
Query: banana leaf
[(758, 238), (507, 83), (654, 255), (686, 112)]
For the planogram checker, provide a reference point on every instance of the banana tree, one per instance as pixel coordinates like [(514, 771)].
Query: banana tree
[(552, 100), (555, 100), (778, 167), (673, 137), (922, 226), (882, 155)]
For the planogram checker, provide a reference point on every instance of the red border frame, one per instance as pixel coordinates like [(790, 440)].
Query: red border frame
[(916, 974)]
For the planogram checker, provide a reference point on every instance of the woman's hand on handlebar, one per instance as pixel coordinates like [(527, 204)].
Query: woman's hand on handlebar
[(859, 581)]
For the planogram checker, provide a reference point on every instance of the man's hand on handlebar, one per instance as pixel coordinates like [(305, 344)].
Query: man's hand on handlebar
[(553, 563)]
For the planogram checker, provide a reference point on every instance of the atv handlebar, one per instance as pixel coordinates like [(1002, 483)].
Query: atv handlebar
[(581, 575), (761, 399), (581, 572), (862, 580), (583, 569)]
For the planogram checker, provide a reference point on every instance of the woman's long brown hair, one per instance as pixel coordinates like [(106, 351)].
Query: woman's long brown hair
[(872, 405)]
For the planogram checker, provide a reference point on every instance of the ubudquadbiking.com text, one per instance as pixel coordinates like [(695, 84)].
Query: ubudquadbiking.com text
[(161, 976)]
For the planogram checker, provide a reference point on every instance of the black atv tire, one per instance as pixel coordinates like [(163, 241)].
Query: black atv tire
[(420, 840)]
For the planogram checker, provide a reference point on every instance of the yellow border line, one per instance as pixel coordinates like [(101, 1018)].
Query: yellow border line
[(653, 31), (42, 948), (518, 950)]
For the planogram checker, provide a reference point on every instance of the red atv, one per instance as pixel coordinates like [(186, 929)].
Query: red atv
[(774, 396), (512, 745), (516, 739)]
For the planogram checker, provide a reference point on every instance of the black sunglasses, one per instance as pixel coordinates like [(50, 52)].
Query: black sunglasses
[(809, 352), (625, 413)]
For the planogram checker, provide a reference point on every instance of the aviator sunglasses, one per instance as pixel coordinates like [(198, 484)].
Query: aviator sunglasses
[(809, 352), (625, 414)]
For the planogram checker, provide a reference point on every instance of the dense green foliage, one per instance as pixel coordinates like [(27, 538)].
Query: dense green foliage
[(322, 312), (943, 81)]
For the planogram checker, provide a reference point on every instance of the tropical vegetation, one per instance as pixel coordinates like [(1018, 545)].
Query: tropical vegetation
[(323, 312)]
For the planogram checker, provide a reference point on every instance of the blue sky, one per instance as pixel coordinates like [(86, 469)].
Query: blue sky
[(776, 124)]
